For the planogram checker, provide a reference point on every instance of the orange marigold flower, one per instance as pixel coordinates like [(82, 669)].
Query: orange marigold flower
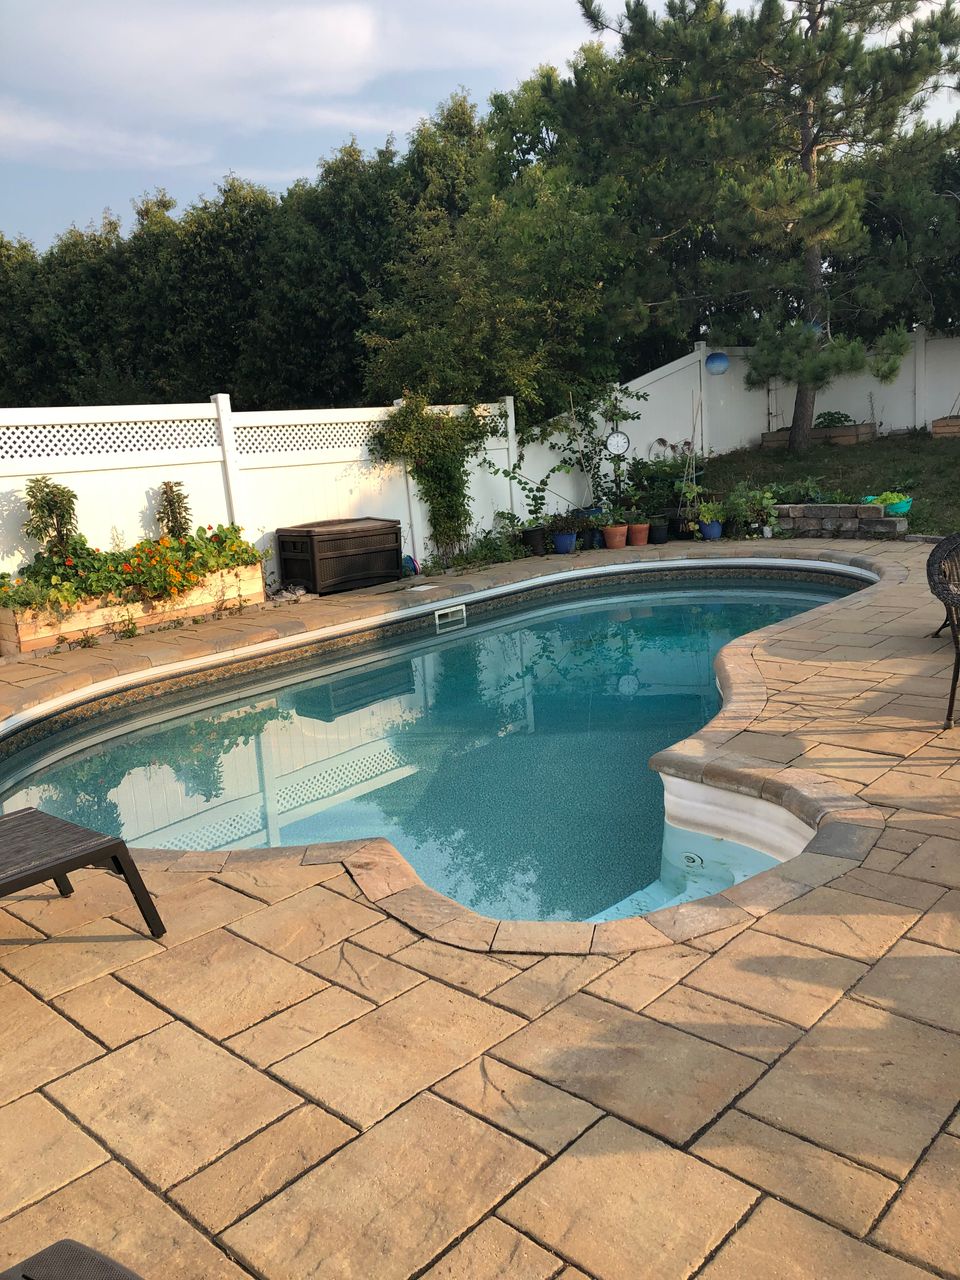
[(127, 568), (69, 560), (174, 591)]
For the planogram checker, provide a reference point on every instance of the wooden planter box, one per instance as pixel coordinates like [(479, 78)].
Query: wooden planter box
[(946, 426), (27, 631), (853, 433)]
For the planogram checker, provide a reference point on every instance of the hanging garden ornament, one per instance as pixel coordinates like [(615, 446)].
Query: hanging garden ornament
[(717, 362)]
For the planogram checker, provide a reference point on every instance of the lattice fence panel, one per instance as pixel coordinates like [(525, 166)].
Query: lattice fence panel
[(222, 834), (332, 781), (100, 439), (303, 437)]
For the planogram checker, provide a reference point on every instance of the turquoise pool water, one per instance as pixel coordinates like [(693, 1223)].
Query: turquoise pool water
[(507, 761)]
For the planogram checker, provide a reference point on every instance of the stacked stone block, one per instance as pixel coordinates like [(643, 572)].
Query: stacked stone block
[(839, 520)]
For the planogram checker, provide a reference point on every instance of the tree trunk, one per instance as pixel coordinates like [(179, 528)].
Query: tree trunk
[(801, 425)]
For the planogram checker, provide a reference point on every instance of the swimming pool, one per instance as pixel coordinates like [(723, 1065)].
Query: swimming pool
[(506, 761)]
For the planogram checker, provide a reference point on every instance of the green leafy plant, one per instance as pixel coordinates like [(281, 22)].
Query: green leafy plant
[(889, 497), (173, 509), (831, 419), (749, 509), (51, 514), (710, 511), (435, 447)]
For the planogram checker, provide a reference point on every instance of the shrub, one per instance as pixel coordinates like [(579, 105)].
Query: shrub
[(173, 509)]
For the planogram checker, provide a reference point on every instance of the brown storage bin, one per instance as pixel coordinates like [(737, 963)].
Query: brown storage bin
[(339, 555)]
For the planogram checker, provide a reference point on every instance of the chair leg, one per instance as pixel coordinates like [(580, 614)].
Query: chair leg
[(944, 623), (64, 885), (127, 868), (948, 723)]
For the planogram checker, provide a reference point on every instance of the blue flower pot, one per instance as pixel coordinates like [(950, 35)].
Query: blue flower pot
[(564, 543), (710, 529)]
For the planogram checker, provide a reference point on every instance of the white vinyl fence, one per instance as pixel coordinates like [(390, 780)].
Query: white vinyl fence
[(685, 400), (262, 470)]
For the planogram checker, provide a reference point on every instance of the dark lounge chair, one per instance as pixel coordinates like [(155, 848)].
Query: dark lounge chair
[(943, 576), (67, 1260), (35, 847)]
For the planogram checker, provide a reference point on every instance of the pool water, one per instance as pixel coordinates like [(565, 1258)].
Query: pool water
[(507, 762)]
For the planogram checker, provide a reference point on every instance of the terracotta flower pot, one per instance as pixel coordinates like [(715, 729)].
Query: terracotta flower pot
[(615, 536), (637, 535)]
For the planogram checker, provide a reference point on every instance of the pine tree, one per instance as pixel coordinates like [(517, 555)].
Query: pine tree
[(816, 84)]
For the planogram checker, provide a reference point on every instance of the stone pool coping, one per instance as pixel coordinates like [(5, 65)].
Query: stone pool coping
[(717, 755)]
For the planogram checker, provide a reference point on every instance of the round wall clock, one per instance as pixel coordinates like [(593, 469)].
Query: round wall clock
[(618, 442)]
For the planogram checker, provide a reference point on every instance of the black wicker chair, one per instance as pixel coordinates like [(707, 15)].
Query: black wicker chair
[(943, 575), (67, 1260)]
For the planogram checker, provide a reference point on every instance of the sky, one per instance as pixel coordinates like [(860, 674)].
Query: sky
[(104, 100)]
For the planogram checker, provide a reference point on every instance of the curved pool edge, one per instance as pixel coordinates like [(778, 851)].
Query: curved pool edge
[(846, 828)]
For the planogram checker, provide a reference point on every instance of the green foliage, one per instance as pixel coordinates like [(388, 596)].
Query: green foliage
[(163, 568), (435, 447), (889, 497), (710, 511), (173, 509), (830, 419), (51, 514)]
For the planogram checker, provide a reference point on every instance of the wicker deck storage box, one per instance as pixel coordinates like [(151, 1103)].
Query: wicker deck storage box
[(338, 555)]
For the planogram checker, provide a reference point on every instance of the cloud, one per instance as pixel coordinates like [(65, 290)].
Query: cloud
[(26, 133)]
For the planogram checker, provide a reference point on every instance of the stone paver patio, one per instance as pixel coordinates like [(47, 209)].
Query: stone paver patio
[(326, 1070)]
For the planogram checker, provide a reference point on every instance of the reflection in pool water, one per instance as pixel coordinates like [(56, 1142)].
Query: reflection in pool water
[(508, 762)]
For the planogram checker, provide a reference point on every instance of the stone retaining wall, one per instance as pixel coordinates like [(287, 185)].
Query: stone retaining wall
[(839, 520)]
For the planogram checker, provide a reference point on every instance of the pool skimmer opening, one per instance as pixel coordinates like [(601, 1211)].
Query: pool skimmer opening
[(453, 618)]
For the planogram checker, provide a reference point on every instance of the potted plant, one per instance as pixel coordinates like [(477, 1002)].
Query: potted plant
[(613, 526), (894, 502), (562, 528), (685, 523), (659, 530), (533, 535), (588, 529), (710, 520), (638, 528)]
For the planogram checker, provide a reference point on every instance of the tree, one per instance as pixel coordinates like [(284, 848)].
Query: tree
[(819, 82)]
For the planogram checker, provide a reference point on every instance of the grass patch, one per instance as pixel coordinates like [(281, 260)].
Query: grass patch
[(917, 464)]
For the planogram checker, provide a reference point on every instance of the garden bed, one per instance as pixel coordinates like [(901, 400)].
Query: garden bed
[(848, 433), (29, 630)]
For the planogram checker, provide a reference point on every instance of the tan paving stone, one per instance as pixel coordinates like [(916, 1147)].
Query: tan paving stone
[(259, 1167), (937, 861), (940, 926), (170, 1103), (779, 1243), (220, 983), (891, 742), (720, 1021), (711, 942), (467, 970), (706, 915), (918, 981), (110, 1210), (94, 896), (494, 1251), (294, 1028), (806, 1176), (528, 1108), (36, 1044), (888, 888), (777, 976), (885, 860), (924, 1223), (370, 1066), (615, 1059), (386, 937), (110, 1011), (864, 1083), (40, 1150), (898, 841), (813, 868), (77, 956), (192, 910), (15, 933), (765, 892), (644, 976), (571, 937), (847, 762), (389, 1202), (306, 923), (548, 982), (845, 923), (611, 937), (610, 1204), (365, 973), (903, 790), (277, 878)]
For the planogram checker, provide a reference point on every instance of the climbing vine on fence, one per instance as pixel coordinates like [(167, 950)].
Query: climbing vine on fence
[(436, 446)]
